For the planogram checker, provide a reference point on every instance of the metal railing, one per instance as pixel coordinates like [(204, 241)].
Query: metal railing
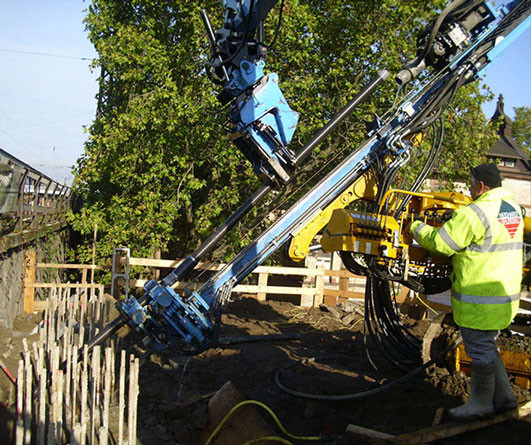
[(28, 198)]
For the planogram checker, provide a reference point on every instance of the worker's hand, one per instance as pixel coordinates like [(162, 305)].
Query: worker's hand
[(447, 215)]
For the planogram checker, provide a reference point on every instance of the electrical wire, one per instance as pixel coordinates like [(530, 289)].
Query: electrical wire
[(271, 413), (33, 53), (425, 304)]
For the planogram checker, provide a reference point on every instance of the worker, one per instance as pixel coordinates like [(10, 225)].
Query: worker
[(485, 241)]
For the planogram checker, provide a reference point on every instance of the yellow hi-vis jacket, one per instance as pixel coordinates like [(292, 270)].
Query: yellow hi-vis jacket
[(485, 241)]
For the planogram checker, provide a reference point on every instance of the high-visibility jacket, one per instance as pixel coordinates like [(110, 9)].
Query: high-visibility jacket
[(485, 242)]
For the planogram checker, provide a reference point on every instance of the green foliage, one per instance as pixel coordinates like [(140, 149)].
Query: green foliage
[(158, 172), (522, 128), (467, 139)]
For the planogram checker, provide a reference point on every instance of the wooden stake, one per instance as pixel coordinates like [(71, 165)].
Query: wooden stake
[(95, 371), (75, 367), (106, 397), (59, 419), (43, 386), (28, 402), (84, 391), (68, 383), (133, 396), (20, 404), (121, 399), (81, 325), (29, 279), (94, 239), (52, 417), (84, 394)]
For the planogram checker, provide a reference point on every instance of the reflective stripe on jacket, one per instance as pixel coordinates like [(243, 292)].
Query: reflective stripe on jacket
[(485, 241)]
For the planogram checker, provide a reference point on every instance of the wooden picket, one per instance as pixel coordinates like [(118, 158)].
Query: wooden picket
[(67, 397)]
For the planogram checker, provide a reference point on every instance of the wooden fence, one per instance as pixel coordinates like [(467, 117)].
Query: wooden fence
[(30, 284), (313, 286)]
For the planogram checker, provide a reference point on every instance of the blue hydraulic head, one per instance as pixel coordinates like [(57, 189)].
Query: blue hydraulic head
[(262, 123), (167, 318)]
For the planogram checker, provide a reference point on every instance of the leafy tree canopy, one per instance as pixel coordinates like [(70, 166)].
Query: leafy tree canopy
[(158, 172), (522, 128)]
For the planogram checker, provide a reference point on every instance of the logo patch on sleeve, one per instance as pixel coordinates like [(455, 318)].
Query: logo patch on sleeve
[(509, 217)]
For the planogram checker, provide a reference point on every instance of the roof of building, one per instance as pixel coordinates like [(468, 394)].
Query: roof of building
[(506, 146)]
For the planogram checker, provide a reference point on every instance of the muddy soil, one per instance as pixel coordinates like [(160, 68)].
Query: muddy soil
[(328, 358), (341, 367)]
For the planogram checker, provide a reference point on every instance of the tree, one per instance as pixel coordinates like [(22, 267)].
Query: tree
[(522, 128), (158, 173)]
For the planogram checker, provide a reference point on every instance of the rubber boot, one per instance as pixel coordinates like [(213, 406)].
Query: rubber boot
[(504, 399), (480, 402)]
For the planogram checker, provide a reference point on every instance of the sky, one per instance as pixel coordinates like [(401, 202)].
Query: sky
[(47, 90)]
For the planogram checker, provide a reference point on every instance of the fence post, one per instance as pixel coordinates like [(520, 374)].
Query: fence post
[(309, 281), (262, 283), (319, 287), (30, 259), (343, 286)]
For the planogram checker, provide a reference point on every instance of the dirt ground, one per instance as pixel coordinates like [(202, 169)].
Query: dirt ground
[(172, 410)]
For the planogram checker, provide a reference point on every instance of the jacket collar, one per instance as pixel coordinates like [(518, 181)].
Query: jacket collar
[(494, 194)]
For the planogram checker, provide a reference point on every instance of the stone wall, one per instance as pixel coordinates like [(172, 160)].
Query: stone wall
[(49, 249)]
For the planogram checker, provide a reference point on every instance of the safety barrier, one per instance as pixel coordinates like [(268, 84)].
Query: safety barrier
[(29, 202)]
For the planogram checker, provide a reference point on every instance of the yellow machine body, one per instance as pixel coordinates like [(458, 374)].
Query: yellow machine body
[(380, 234), (369, 234), (364, 188)]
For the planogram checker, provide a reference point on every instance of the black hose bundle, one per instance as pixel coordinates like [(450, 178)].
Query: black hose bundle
[(385, 330)]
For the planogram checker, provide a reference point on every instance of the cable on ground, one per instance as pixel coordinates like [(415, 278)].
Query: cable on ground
[(272, 414)]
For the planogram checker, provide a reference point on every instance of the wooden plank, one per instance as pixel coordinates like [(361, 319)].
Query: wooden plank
[(275, 290), (69, 266), (525, 304), (339, 293), (64, 285), (29, 279), (243, 288), (277, 270), (342, 273), (369, 436), (246, 424), (153, 262), (455, 428), (274, 270), (329, 300), (39, 305)]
